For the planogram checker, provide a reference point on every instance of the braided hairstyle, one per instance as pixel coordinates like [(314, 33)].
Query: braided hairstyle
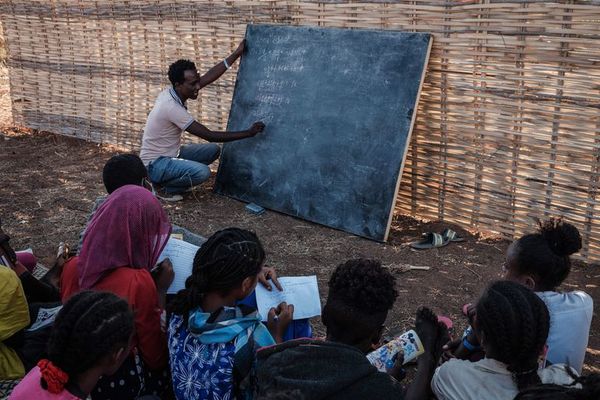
[(88, 327), (361, 292), (514, 322), (221, 264), (590, 390), (545, 254)]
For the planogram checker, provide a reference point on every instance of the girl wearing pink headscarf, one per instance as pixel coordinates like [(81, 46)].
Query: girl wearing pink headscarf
[(121, 246)]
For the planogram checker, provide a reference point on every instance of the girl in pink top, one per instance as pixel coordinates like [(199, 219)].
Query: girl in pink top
[(90, 338)]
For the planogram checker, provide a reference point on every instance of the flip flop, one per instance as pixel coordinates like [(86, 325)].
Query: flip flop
[(430, 241), (451, 236)]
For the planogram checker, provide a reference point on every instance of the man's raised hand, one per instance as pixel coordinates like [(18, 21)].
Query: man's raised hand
[(256, 127)]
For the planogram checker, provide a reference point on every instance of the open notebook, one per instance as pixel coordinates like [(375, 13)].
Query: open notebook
[(182, 256)]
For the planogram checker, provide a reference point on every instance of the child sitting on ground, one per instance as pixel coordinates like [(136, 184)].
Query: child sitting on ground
[(14, 318), (361, 292), (128, 169), (212, 340), (90, 338), (540, 261), (511, 323)]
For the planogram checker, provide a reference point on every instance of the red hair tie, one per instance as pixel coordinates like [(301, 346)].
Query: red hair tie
[(55, 378)]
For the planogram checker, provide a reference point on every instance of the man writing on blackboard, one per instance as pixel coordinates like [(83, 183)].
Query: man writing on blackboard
[(174, 167)]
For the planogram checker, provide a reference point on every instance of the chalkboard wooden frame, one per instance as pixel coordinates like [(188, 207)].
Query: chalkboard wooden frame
[(410, 129), (255, 170)]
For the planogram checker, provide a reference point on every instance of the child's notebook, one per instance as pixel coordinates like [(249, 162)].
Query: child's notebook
[(301, 291), (182, 256)]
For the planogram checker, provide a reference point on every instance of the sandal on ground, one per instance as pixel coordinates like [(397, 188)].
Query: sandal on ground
[(430, 241), (451, 236)]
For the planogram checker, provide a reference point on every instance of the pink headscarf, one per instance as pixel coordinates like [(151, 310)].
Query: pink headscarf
[(130, 229)]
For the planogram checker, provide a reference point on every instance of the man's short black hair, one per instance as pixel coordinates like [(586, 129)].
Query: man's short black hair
[(361, 292), (177, 69), (121, 170)]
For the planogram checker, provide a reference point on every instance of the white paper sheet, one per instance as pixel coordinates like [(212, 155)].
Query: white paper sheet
[(301, 291), (182, 256)]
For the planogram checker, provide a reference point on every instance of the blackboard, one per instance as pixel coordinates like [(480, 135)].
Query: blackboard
[(339, 106)]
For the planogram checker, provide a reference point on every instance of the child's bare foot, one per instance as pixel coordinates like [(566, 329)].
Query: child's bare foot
[(426, 325)]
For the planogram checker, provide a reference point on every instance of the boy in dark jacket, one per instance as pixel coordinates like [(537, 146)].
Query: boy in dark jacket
[(361, 292)]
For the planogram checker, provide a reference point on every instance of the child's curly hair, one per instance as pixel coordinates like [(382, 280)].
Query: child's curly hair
[(361, 292)]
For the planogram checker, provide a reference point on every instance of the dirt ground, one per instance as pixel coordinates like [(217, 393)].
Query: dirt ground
[(49, 183)]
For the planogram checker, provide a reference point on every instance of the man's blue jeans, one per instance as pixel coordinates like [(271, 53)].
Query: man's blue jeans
[(189, 169)]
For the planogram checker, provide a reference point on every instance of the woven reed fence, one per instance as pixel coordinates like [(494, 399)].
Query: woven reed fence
[(508, 126)]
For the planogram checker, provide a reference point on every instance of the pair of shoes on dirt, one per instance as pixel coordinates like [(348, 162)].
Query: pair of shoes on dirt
[(432, 239)]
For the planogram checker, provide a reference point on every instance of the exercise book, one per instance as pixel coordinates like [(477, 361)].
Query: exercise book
[(301, 291), (181, 254)]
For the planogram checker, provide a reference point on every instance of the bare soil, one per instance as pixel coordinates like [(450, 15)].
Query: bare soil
[(49, 183)]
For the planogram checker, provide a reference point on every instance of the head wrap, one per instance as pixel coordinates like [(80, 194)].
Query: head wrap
[(130, 229)]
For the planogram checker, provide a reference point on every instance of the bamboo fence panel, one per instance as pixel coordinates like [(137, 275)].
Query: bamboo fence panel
[(508, 125)]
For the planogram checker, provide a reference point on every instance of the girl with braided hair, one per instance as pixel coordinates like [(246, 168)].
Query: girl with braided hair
[(541, 262), (212, 338), (91, 337), (511, 323)]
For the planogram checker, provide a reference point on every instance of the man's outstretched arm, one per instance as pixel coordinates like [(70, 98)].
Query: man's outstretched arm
[(197, 129), (215, 72)]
